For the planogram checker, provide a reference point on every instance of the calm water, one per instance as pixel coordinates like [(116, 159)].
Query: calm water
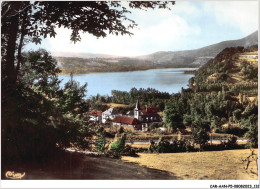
[(165, 80)]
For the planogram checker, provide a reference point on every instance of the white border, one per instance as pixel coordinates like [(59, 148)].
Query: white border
[(131, 183), (123, 184)]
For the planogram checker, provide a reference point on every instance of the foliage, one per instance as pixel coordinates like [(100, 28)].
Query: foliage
[(149, 97), (38, 115), (32, 100), (129, 151), (249, 71), (200, 129), (238, 131), (232, 142), (252, 133), (99, 106), (165, 146), (237, 114), (88, 65), (174, 112), (173, 119), (101, 142), (40, 19), (185, 109), (124, 110), (117, 147), (156, 125), (250, 122)]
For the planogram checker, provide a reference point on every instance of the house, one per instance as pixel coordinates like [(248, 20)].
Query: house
[(144, 117), (126, 121), (109, 114), (254, 56), (148, 117), (95, 116)]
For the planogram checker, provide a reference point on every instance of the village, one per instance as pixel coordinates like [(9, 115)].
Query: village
[(137, 119)]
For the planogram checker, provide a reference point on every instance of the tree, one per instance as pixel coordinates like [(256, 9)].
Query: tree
[(117, 146), (39, 19), (31, 97), (101, 143), (200, 129), (173, 119), (250, 122), (40, 115)]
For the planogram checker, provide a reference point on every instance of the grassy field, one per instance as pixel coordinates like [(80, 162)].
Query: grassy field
[(215, 165), (114, 105)]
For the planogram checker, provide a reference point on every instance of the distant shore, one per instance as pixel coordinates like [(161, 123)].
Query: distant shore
[(103, 71)]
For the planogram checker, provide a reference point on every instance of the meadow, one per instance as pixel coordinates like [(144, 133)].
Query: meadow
[(214, 165)]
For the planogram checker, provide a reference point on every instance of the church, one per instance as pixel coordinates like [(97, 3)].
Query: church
[(140, 119)]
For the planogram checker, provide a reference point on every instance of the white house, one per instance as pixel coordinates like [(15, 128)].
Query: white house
[(95, 116), (254, 56), (109, 114)]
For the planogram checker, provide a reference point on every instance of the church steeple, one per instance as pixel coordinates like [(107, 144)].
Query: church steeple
[(137, 111), (137, 106)]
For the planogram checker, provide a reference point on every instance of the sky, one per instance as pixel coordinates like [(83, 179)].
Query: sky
[(189, 25)]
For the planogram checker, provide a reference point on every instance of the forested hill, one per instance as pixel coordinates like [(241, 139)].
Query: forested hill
[(222, 98), (87, 63), (234, 70)]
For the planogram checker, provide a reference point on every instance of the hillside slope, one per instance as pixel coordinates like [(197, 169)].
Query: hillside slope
[(234, 70), (199, 56), (222, 97)]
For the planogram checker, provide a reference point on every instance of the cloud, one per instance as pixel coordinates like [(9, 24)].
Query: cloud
[(188, 25), (157, 30), (240, 14)]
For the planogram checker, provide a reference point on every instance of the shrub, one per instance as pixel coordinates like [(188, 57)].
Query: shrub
[(156, 125), (101, 142), (129, 151), (165, 146), (117, 147), (236, 131), (121, 130), (231, 143), (200, 129), (109, 134), (99, 106), (249, 71)]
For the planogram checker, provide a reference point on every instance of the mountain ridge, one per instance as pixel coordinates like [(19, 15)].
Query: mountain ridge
[(89, 62), (209, 51)]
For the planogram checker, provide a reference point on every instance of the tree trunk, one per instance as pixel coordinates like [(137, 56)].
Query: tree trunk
[(19, 54), (11, 45)]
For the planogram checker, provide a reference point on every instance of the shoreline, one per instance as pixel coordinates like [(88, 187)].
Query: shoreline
[(91, 72)]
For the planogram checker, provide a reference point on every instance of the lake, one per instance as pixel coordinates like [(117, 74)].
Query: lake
[(169, 80)]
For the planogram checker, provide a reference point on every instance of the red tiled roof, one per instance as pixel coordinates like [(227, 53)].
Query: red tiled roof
[(95, 113), (126, 120), (149, 111)]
